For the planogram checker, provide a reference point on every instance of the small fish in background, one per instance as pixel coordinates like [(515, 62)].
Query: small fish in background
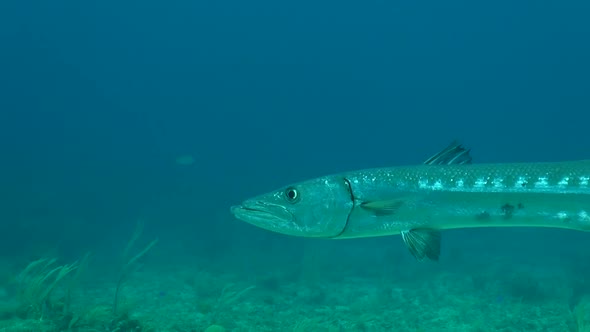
[(185, 160)]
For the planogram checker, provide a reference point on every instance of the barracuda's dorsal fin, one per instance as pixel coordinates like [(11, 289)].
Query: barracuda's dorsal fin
[(453, 154), (423, 243)]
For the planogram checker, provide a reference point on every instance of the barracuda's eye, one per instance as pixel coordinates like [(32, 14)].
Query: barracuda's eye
[(292, 194)]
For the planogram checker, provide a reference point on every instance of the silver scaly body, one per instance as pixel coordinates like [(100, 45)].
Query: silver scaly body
[(460, 196)]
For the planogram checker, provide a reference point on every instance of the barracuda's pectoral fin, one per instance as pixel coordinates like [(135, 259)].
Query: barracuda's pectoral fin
[(453, 154), (423, 243), (383, 208)]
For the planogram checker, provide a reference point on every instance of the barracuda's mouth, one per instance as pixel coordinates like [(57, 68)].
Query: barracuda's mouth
[(261, 213)]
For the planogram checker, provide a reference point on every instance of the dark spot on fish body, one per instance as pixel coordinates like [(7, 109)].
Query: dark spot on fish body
[(507, 210), (520, 206), (484, 216)]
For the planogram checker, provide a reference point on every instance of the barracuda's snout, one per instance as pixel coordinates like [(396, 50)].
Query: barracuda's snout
[(315, 208)]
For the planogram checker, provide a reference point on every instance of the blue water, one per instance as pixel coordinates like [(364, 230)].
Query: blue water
[(169, 112)]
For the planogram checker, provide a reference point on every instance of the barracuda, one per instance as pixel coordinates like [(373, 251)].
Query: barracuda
[(420, 201)]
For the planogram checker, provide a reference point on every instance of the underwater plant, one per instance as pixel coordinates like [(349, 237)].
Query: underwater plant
[(130, 263), (37, 282), (45, 290)]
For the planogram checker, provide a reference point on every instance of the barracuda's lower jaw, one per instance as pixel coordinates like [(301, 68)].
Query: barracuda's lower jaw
[(257, 214), (246, 214)]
